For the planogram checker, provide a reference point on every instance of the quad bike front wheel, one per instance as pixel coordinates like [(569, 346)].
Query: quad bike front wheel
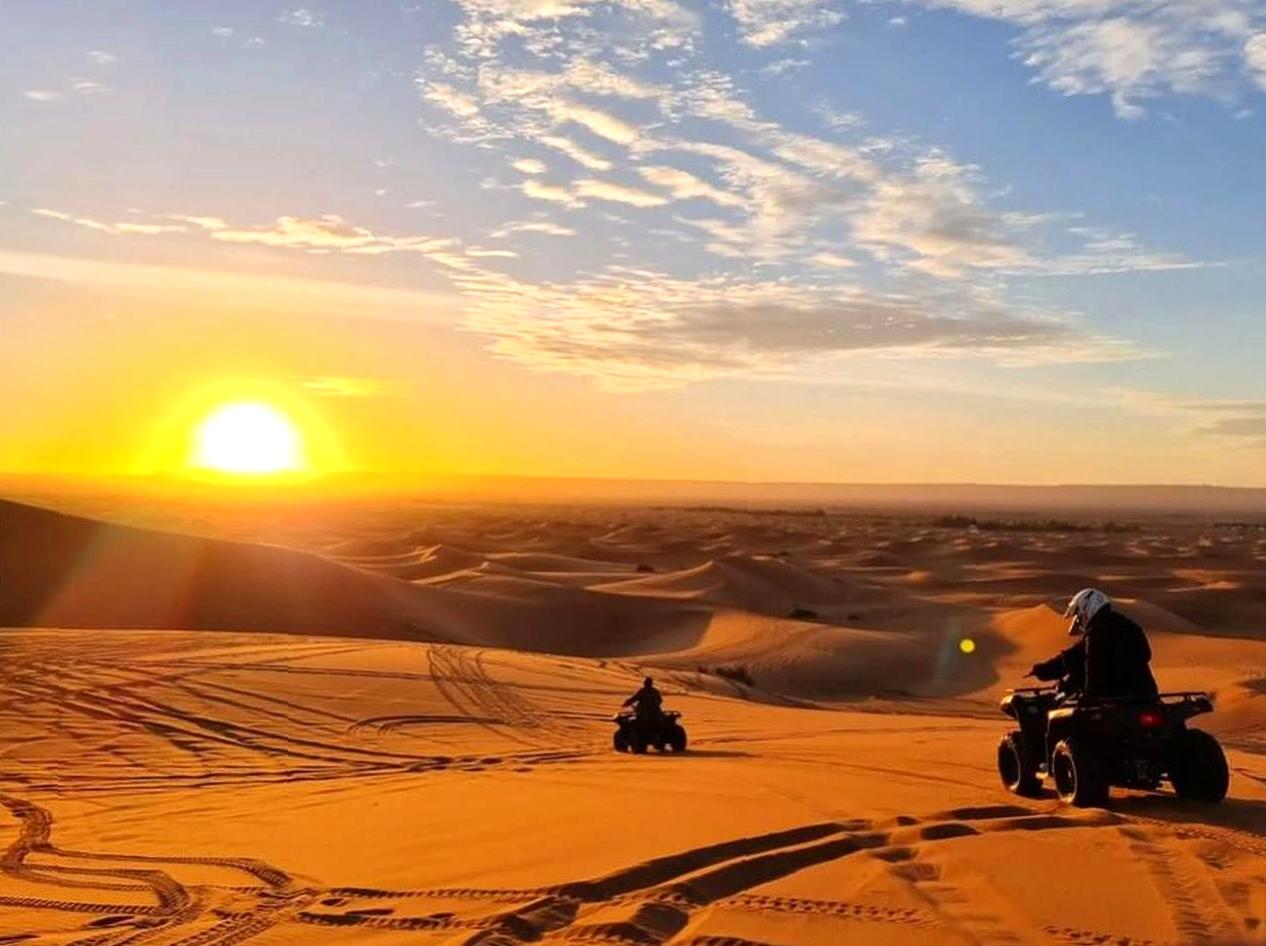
[(619, 741), (1079, 779), (1015, 768), (1198, 768)]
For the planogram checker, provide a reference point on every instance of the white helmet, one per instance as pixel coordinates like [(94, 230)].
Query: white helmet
[(1084, 605)]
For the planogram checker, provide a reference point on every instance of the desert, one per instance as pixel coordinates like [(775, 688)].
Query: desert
[(392, 723), (633, 473)]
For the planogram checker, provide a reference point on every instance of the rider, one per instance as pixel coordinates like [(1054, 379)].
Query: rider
[(646, 702), (1110, 658)]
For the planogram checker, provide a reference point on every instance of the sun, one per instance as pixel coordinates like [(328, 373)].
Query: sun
[(248, 438)]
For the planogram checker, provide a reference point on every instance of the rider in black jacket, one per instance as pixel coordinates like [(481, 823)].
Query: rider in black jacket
[(647, 701), (1111, 657)]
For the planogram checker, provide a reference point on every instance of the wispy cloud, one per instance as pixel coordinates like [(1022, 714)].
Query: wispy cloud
[(264, 291), (1132, 51), (1235, 420), (770, 22), (580, 155), (545, 227), (619, 194), (113, 227), (302, 17), (640, 329), (324, 234)]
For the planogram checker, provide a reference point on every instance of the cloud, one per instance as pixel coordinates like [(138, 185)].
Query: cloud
[(302, 17), (685, 186), (934, 221), (102, 58), (529, 166), (331, 233), (84, 87), (1238, 420), (783, 66), (647, 24), (327, 233), (574, 151), (824, 259), (601, 123), (575, 195), (618, 193), (475, 252), (120, 227), (533, 226), (315, 295), (770, 22), (1255, 57), (204, 222), (633, 329), (539, 190), (450, 98), (224, 32), (1131, 50)]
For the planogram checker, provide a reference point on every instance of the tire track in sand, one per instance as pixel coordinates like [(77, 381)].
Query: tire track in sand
[(463, 680), (650, 903)]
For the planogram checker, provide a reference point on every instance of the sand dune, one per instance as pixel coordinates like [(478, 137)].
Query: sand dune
[(65, 571), (452, 781)]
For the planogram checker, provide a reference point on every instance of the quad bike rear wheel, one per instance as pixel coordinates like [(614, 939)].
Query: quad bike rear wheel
[(677, 739), (1016, 768), (1079, 779), (1198, 768)]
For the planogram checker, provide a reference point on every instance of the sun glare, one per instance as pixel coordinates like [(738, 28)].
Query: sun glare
[(248, 438)]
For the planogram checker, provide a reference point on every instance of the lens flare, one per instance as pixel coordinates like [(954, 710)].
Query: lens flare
[(967, 645), (248, 438)]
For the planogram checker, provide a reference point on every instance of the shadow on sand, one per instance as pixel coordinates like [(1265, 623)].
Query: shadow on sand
[(701, 754)]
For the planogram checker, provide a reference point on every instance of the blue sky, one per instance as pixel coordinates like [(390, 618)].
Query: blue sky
[(1017, 240)]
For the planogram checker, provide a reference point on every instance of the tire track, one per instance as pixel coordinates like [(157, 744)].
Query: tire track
[(644, 904), (1180, 889), (463, 680)]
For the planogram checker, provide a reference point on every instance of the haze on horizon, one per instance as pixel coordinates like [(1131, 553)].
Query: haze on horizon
[(774, 240)]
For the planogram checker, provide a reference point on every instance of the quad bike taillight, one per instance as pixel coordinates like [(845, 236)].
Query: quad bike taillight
[(1151, 719)]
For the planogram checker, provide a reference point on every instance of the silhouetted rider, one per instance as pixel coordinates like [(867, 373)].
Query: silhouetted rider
[(1111, 657), (647, 701)]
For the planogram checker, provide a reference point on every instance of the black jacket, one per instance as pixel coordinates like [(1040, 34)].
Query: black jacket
[(1110, 660), (646, 701)]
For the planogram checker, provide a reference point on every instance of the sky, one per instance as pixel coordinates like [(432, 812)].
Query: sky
[(1014, 241)]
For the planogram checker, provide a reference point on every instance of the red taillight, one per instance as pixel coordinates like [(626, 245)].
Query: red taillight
[(1151, 719)]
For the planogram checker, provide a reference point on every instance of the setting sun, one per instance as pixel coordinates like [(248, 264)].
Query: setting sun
[(248, 438)]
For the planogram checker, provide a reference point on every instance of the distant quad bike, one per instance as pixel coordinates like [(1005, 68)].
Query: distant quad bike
[(636, 735), (1085, 747)]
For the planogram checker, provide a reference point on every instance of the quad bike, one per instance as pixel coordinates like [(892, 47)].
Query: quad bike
[(1087, 746), (664, 732)]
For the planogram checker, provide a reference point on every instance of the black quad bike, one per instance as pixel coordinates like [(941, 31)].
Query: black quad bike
[(1087, 746), (664, 732)]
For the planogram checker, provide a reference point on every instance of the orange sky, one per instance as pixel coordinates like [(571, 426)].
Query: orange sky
[(115, 373)]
